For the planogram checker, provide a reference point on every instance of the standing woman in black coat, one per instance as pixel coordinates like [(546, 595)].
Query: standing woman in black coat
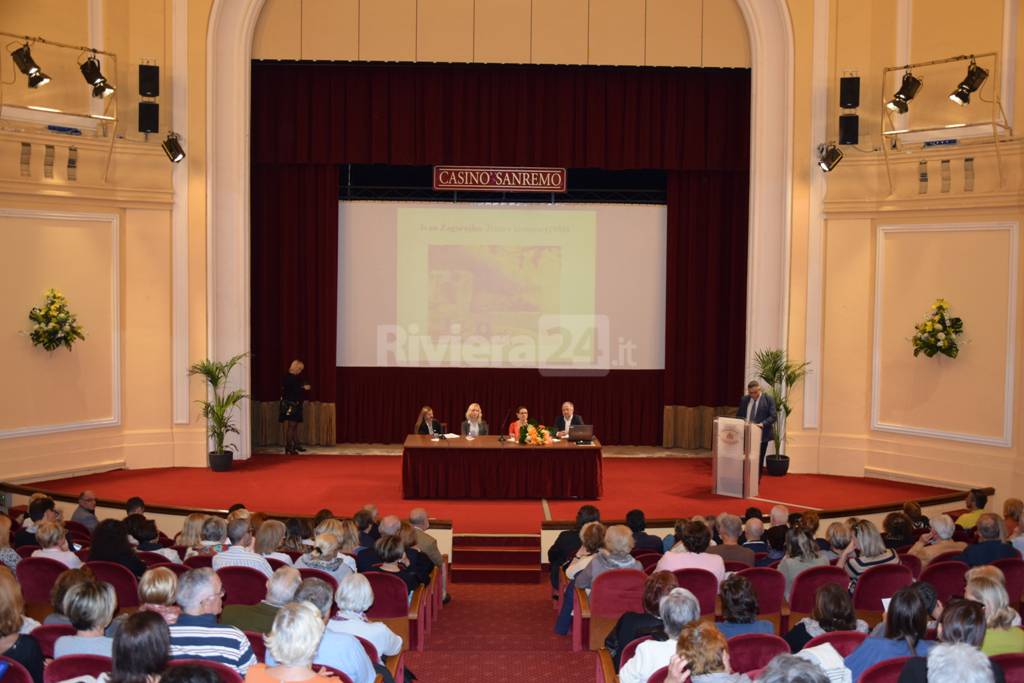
[(292, 388)]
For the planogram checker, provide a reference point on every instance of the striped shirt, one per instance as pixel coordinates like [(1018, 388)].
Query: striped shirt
[(856, 565), (201, 637), (237, 556)]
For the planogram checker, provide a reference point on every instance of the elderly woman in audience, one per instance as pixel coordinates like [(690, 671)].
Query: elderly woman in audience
[(1013, 508), (833, 611), (838, 537), (213, 538), (678, 609), (353, 597), (53, 545), (391, 552), (417, 560), (293, 642), (13, 644), (704, 648), (1001, 637), (937, 541), (906, 623), (633, 625), (65, 580), (689, 552), (963, 621), (90, 607), (591, 538), (140, 649), (739, 608), (110, 544), (959, 663), (9, 557), (866, 550), (269, 538), (297, 532), (801, 553), (326, 556), (897, 530), (618, 542), (191, 533)]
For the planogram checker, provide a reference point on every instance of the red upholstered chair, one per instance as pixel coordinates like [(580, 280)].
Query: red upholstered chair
[(392, 606), (945, 557), (613, 593), (630, 649), (884, 672), (242, 585), (805, 588), (294, 554), (875, 584), (1011, 664), (1013, 570), (199, 561), (702, 584), (83, 554), (275, 563), (307, 573), (151, 558), (647, 559), (770, 588), (371, 650), (224, 672), (658, 676), (912, 563), (124, 582), (26, 550), (47, 635), (733, 566), (759, 556), (338, 674), (844, 642), (16, 673), (181, 550), (37, 576), (754, 650), (178, 569), (259, 648), (71, 525), (73, 666), (947, 578)]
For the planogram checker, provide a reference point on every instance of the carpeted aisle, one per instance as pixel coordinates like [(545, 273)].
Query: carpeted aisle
[(500, 632)]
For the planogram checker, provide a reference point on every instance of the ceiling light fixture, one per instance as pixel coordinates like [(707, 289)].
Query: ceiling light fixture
[(975, 77), (908, 88)]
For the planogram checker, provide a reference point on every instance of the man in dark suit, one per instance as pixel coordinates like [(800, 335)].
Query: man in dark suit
[(39, 510), (990, 546), (759, 408), (637, 523), (567, 419)]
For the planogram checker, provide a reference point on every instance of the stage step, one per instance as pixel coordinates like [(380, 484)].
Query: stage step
[(485, 558)]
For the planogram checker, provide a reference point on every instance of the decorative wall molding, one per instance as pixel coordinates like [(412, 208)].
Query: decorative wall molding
[(179, 217), (1005, 440), (115, 417)]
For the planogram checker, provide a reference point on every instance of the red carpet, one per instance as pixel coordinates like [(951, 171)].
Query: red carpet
[(662, 487)]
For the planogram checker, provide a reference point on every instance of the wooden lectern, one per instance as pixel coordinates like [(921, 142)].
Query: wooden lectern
[(735, 449)]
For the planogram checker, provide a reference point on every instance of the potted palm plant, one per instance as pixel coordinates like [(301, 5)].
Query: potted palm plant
[(219, 408), (780, 374)]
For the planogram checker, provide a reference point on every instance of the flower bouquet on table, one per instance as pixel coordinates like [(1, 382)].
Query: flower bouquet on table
[(938, 332), (55, 325), (535, 435)]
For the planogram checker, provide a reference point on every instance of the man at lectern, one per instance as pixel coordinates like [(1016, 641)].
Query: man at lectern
[(759, 408), (567, 419)]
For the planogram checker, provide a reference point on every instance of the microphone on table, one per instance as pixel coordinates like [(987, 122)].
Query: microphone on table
[(504, 434)]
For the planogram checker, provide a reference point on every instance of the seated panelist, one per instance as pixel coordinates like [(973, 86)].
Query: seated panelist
[(567, 419), (474, 424), (523, 416), (426, 424)]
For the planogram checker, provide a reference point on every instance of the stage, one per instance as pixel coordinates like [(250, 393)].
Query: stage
[(667, 486)]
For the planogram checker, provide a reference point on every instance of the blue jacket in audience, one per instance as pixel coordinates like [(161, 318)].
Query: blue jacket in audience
[(875, 650), (986, 552), (730, 629)]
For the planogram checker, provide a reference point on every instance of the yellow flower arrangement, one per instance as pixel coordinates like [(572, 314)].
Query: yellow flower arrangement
[(55, 325), (938, 332), (535, 435)]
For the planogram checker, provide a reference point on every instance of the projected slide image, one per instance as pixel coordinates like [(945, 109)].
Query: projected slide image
[(492, 289)]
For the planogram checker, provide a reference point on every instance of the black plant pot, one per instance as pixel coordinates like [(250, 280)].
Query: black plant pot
[(221, 462), (777, 465)]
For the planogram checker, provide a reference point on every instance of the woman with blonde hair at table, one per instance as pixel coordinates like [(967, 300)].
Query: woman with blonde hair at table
[(426, 424), (474, 424)]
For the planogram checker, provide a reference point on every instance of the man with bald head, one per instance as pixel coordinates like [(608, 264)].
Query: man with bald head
[(85, 513), (389, 525)]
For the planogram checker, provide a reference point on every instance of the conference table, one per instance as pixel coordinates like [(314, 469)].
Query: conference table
[(485, 467)]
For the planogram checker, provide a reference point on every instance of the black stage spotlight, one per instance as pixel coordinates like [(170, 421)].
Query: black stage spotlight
[(975, 77), (172, 148), (829, 156), (94, 77), (26, 65), (908, 88), (37, 79)]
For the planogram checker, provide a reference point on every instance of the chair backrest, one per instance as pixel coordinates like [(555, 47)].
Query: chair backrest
[(223, 671), (947, 578), (309, 573), (1013, 570), (880, 582), (181, 550), (658, 676), (630, 649), (912, 563), (1012, 665), (339, 675), (151, 558), (647, 559), (294, 554), (390, 596), (946, 557), (26, 550), (275, 563), (754, 650), (769, 586), (371, 649), (242, 585), (884, 672), (807, 583), (16, 672), (73, 666), (199, 561), (844, 642), (47, 635), (702, 583), (124, 582), (259, 647), (734, 566), (178, 569), (616, 592), (79, 528), (37, 576)]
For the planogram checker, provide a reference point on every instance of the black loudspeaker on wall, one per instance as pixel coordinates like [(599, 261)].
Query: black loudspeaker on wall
[(849, 92), (849, 129), (149, 80), (149, 117)]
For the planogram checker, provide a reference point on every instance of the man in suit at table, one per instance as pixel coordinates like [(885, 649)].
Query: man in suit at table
[(567, 419), (759, 408)]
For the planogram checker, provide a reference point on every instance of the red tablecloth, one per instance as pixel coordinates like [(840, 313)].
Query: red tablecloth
[(487, 468)]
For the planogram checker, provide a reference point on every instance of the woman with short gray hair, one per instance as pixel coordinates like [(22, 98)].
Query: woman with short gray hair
[(618, 542), (293, 642), (678, 609), (90, 607), (354, 596), (213, 538)]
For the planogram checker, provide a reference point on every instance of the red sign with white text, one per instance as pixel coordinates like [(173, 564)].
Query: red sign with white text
[(499, 178)]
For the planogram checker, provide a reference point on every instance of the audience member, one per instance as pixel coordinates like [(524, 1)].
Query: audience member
[(614, 554), (792, 669), (15, 645), (9, 557), (801, 553), (776, 534), (135, 506), (1013, 508), (158, 589), (65, 580), (416, 560), (141, 649), (424, 541), (637, 523), (269, 538), (145, 532), (236, 506), (838, 537), (633, 625), (110, 544), (368, 557), (753, 531), (568, 542), (213, 538), (678, 609), (293, 642), (739, 607), (730, 528), (1001, 636), (959, 663), (363, 520), (833, 611), (866, 550), (963, 621), (592, 538), (975, 502), (990, 546), (897, 530), (256, 520), (326, 556), (690, 551), (297, 532), (810, 521), (90, 607), (391, 551), (937, 541), (189, 673), (85, 513), (192, 530), (354, 596), (240, 552), (41, 509), (281, 587), (704, 648), (918, 521), (906, 623), (197, 635), (53, 545)]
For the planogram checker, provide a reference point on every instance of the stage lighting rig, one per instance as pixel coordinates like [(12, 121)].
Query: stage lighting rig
[(829, 156), (975, 77), (172, 147), (22, 57), (908, 88), (94, 77)]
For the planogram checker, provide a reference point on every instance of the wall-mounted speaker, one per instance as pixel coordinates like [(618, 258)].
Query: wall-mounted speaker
[(849, 92), (849, 129), (149, 117), (149, 80)]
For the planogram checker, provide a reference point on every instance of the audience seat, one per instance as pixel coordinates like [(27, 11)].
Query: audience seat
[(16, 673), (912, 563), (242, 585), (26, 550), (83, 554), (884, 672), (613, 593), (307, 573), (647, 559), (225, 673), (733, 566), (770, 587), (658, 676), (178, 569), (276, 564), (199, 561), (844, 642), (1011, 664), (335, 674), (754, 650), (37, 576), (1013, 570), (73, 666), (259, 648), (151, 559), (371, 650), (877, 583), (124, 582), (947, 578), (392, 606), (630, 649), (703, 585), (294, 554), (47, 635), (72, 525)]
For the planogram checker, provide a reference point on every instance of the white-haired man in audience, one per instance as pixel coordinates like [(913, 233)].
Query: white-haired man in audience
[(197, 635), (958, 663), (240, 553), (730, 528), (776, 535), (939, 540), (677, 609), (390, 525), (426, 543), (753, 531), (281, 589), (85, 513)]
